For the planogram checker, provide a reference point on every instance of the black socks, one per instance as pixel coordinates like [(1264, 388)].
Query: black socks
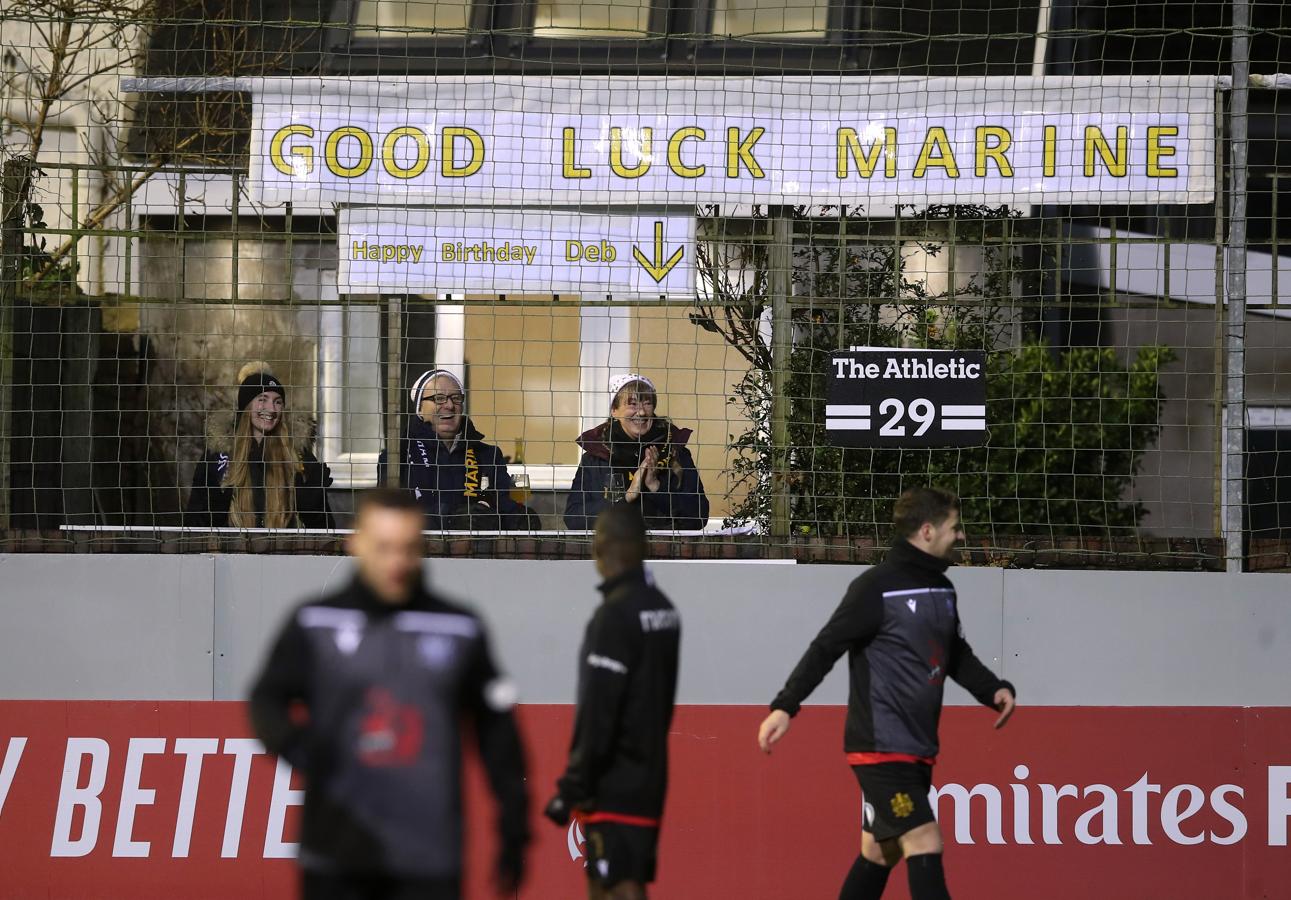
[(865, 881), (927, 878)]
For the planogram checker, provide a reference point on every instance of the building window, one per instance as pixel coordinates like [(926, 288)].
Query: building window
[(770, 20), (412, 18), (592, 18)]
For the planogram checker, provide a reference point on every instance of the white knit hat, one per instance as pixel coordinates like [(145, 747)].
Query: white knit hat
[(426, 378), (619, 382)]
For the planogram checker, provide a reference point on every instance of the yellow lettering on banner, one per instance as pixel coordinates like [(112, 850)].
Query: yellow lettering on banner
[(1050, 150), (993, 151), (1116, 163), (569, 165), (448, 158), (303, 153), (331, 152), (936, 139), (616, 154), (741, 151), (1158, 151), (674, 152), (849, 146), (391, 165)]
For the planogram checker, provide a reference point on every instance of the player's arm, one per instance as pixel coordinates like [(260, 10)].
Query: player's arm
[(985, 686), (854, 623), (491, 697), (280, 697), (612, 644)]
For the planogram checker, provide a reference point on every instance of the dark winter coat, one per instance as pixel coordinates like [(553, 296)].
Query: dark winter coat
[(462, 486), (627, 684), (209, 500), (899, 625), (371, 703), (606, 469)]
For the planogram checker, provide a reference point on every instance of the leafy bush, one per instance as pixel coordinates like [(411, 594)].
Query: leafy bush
[(1068, 426)]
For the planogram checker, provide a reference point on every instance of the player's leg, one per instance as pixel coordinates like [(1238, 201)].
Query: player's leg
[(627, 890), (922, 849), (869, 873)]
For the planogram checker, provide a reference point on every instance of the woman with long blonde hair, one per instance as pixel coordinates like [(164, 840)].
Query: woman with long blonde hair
[(259, 469)]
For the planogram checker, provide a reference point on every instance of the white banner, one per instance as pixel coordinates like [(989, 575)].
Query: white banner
[(664, 140), (425, 251)]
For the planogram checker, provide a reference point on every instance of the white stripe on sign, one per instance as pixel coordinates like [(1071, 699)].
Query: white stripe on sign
[(843, 410), (847, 424), (950, 411), (963, 424)]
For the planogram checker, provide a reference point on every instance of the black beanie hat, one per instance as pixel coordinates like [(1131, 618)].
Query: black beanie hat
[(255, 379)]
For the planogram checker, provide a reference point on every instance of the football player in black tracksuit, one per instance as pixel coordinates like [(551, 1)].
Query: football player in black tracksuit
[(618, 761), (366, 693), (899, 624)]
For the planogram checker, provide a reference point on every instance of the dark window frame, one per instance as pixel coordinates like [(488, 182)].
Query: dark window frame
[(501, 43)]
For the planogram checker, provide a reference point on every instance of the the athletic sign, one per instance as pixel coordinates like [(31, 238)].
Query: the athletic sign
[(629, 141), (906, 398)]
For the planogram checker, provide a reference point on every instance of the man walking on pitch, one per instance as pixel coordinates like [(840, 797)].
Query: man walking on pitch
[(618, 762), (366, 692), (899, 624)]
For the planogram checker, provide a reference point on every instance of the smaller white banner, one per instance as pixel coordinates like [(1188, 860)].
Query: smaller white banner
[(511, 251)]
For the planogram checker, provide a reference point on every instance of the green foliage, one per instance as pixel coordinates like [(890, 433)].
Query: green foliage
[(36, 258), (1068, 427)]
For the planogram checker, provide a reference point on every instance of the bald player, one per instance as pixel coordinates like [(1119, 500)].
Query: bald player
[(617, 774)]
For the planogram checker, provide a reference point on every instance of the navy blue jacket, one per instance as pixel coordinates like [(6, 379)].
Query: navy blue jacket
[(899, 625), (461, 487), (679, 504)]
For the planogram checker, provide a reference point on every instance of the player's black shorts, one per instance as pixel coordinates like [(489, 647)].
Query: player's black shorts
[(618, 852), (896, 797), (320, 886)]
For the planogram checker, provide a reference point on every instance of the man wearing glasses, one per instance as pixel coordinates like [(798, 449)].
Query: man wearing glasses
[(461, 481)]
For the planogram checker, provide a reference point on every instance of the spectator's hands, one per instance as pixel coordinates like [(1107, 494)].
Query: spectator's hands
[(774, 727), (1005, 704), (650, 463), (510, 871), (646, 474), (558, 811)]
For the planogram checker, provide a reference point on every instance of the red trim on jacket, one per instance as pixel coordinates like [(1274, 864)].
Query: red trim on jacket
[(874, 759), (618, 818)]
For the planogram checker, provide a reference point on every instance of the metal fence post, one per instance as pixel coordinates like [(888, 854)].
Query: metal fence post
[(394, 388), (780, 285), (13, 190), (1235, 329)]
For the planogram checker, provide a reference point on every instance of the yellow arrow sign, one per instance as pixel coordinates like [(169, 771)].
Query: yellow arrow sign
[(658, 267)]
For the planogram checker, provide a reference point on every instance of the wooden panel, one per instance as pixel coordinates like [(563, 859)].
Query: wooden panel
[(523, 369)]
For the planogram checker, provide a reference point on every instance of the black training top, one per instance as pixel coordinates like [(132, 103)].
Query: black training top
[(899, 624), (618, 760), (385, 692)]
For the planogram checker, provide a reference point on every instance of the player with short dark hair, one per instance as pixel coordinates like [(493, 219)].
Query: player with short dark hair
[(367, 693), (617, 774), (899, 624)]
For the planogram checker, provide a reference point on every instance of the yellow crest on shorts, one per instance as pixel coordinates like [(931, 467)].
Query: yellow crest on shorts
[(902, 805)]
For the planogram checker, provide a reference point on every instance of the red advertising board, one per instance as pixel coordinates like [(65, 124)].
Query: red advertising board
[(161, 800)]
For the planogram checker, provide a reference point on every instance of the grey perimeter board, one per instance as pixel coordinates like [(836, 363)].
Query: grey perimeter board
[(153, 627)]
